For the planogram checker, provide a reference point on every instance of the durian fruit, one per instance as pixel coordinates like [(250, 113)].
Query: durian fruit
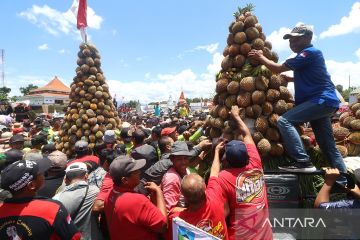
[(264, 146), (261, 95), (343, 150), (341, 133), (277, 149), (91, 110)]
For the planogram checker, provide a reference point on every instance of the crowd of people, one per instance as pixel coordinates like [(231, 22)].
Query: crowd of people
[(132, 184), (146, 173)]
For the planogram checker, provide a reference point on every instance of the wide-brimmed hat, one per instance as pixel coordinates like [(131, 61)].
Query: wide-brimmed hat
[(180, 148)]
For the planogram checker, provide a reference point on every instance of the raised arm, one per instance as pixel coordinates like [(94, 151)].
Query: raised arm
[(215, 167), (324, 194), (273, 66), (244, 130)]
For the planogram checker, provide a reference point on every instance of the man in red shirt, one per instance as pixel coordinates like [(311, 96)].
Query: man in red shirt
[(244, 187), (206, 205), (25, 216), (130, 215)]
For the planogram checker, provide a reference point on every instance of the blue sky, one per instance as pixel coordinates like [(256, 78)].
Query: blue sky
[(153, 49)]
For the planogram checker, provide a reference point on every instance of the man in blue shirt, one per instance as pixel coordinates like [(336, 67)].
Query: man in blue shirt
[(315, 100)]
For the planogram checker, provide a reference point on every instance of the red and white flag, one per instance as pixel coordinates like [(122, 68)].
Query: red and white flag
[(79, 8)]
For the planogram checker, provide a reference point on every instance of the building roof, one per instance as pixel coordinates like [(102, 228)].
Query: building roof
[(49, 95), (54, 85), (356, 91)]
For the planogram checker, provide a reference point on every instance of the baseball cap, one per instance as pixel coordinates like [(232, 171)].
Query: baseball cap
[(181, 129), (18, 174), (236, 153), (180, 148), (167, 131), (39, 140), (109, 136), (126, 134), (123, 165), (298, 31), (81, 146), (48, 148), (13, 155), (58, 160), (17, 138), (76, 167)]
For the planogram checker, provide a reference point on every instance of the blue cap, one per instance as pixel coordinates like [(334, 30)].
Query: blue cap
[(236, 154)]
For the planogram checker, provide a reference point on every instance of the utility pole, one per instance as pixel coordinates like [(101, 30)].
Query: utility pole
[(2, 63)]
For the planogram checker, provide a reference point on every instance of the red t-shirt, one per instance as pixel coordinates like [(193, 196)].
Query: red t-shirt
[(106, 187), (131, 215), (87, 158), (210, 217), (245, 191)]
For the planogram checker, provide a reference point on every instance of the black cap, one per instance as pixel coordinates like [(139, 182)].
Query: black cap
[(13, 155), (18, 174), (17, 138), (181, 129), (39, 139), (126, 134)]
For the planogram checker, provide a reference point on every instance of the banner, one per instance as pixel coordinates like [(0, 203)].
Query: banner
[(185, 231), (79, 9)]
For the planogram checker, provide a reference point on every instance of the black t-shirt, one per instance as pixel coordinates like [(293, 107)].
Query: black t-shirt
[(36, 218), (51, 185)]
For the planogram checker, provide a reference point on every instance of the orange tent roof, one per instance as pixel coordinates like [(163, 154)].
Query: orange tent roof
[(54, 85)]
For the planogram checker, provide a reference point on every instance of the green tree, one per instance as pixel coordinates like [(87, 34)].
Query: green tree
[(132, 103), (26, 90), (346, 93), (14, 98), (4, 93)]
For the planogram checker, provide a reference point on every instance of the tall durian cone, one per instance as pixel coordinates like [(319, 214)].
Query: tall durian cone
[(261, 95), (91, 110)]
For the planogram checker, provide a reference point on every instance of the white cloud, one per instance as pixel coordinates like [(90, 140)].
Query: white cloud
[(357, 53), (43, 47), (340, 72), (277, 41), (211, 48), (114, 32), (56, 22), (348, 24), (62, 51), (160, 87)]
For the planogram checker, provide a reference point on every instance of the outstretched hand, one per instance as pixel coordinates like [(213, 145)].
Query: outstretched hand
[(234, 112), (256, 54), (220, 147), (152, 187), (331, 174)]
